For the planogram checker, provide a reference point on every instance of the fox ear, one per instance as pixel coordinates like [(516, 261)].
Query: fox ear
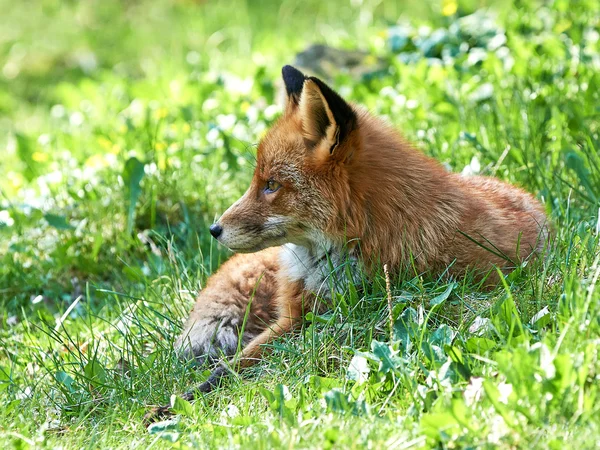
[(294, 81), (326, 118)]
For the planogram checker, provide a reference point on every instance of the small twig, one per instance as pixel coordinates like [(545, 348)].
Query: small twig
[(60, 321), (500, 160), (389, 299)]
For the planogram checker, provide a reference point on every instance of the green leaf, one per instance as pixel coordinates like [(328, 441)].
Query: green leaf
[(58, 222), (5, 380), (405, 328), (95, 372), (326, 318), (462, 414), (388, 360), (458, 360), (507, 318), (25, 153), (480, 345), (493, 394), (433, 352), (443, 335), (181, 406), (134, 273), (541, 318), (455, 354), (577, 164), (169, 436), (437, 425), (65, 379), (332, 435), (8, 408), (162, 426), (322, 383), (439, 299), (4, 374), (132, 175), (281, 402), (565, 375), (337, 401), (340, 402), (267, 394)]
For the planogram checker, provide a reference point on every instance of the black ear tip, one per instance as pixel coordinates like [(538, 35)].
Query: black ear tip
[(288, 71), (293, 79)]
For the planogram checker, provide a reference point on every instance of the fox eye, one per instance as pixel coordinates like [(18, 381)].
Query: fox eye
[(272, 186)]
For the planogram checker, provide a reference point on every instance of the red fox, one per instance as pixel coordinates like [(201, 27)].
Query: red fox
[(336, 187)]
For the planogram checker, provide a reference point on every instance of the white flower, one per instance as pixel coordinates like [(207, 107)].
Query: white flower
[(473, 391), (480, 326), (57, 111), (210, 104), (76, 119), (193, 58), (226, 121), (231, 411), (214, 136), (412, 104), (547, 362), (505, 389), (358, 370), (5, 218), (27, 393), (498, 430), (473, 168)]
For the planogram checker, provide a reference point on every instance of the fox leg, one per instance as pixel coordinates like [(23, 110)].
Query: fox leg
[(290, 308), (214, 330), (290, 312), (236, 303)]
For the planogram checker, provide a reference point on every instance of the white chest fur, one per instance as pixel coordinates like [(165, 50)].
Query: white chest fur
[(324, 268)]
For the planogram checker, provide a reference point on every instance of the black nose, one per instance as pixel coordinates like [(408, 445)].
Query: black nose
[(216, 230)]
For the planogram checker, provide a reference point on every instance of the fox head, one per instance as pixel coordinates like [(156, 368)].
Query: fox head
[(301, 185)]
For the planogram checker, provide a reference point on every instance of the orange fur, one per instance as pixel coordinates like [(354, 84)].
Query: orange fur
[(334, 184)]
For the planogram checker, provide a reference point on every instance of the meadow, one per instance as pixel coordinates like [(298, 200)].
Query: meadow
[(127, 127)]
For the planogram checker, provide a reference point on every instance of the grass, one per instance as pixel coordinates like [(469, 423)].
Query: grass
[(127, 127)]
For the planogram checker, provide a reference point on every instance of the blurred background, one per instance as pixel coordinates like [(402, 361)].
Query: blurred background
[(87, 59)]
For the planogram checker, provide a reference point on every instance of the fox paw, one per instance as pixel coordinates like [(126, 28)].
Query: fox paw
[(213, 380), (163, 412), (208, 339)]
